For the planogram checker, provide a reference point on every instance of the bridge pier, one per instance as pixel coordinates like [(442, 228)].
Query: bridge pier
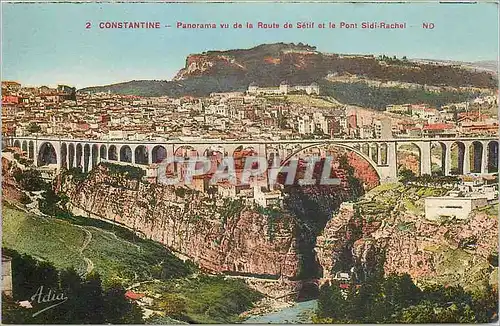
[(484, 158), (466, 159), (389, 173), (425, 157)]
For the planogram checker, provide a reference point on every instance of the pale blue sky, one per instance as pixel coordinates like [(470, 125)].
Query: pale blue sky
[(48, 43)]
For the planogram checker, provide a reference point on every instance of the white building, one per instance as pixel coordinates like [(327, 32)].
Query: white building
[(305, 125), (283, 89), (449, 206), (265, 198)]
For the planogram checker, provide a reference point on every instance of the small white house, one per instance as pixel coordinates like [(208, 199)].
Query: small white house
[(449, 206)]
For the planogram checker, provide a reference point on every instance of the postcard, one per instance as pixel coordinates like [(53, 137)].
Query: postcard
[(249, 162)]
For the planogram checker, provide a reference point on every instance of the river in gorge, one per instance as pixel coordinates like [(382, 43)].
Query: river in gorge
[(299, 313)]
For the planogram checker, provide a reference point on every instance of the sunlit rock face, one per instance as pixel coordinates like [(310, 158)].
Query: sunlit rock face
[(383, 230), (220, 235)]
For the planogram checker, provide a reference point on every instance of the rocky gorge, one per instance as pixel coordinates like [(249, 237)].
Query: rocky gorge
[(219, 234), (319, 230)]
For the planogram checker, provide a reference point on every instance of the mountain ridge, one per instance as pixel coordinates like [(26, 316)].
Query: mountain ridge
[(270, 64)]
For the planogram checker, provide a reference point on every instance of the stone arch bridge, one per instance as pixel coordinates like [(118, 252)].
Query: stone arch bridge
[(380, 153)]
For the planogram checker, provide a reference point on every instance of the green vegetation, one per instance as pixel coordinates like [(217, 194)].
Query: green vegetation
[(394, 60), (34, 127), (87, 302), (203, 299), (308, 100), (380, 97), (396, 299), (231, 208), (77, 174), (127, 171), (30, 180), (24, 161), (272, 214), (407, 176), (114, 252)]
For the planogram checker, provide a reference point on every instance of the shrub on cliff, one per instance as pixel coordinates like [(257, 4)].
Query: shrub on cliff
[(127, 171), (30, 180), (396, 299)]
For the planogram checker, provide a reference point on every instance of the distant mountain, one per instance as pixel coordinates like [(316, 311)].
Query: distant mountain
[(270, 64), (490, 66)]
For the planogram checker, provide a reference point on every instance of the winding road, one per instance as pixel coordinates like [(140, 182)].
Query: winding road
[(86, 242)]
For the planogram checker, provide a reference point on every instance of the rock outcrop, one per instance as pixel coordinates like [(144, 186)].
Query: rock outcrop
[(397, 236), (220, 235)]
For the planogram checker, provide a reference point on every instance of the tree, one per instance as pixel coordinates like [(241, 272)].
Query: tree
[(406, 175), (33, 127), (419, 314), (118, 310), (331, 302), (173, 305)]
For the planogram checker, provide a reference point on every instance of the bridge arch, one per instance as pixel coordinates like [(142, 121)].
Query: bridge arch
[(103, 153), (409, 156), (79, 156), (47, 154), (475, 156), (126, 154), (158, 153), (113, 153), (17, 143), (339, 145), (31, 149), (382, 151), (141, 155), (86, 158), (492, 157), (457, 150), (240, 154), (215, 151), (95, 155), (438, 158), (64, 155), (365, 148), (186, 151), (25, 146), (373, 152), (71, 156)]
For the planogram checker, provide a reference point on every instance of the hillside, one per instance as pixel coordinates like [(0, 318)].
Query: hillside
[(79, 243), (270, 64)]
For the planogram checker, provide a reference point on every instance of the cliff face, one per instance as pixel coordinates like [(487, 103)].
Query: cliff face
[(220, 235), (389, 228), (10, 187), (270, 64)]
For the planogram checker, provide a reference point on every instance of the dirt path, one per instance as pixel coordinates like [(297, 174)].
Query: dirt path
[(86, 242)]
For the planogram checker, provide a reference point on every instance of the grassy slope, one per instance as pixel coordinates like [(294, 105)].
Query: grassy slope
[(47, 239), (60, 242), (116, 253)]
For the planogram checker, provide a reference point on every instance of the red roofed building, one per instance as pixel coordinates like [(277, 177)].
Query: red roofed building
[(9, 99), (439, 130), (133, 296)]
